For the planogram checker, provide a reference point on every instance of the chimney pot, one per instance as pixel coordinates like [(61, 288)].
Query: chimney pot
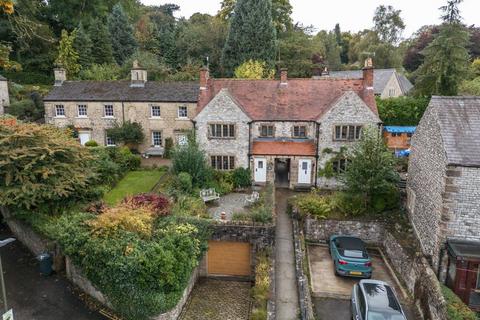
[(60, 75), (284, 76)]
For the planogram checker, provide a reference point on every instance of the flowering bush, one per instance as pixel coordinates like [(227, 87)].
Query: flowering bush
[(158, 203)]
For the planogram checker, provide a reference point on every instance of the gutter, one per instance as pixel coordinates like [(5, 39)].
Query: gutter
[(123, 112), (249, 142), (317, 156)]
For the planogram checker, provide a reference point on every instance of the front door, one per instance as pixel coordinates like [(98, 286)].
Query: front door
[(260, 170), (84, 137), (304, 171)]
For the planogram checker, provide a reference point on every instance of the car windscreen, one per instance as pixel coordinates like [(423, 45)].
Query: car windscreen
[(375, 315), (351, 247)]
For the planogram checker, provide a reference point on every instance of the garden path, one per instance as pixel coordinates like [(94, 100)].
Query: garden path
[(285, 279)]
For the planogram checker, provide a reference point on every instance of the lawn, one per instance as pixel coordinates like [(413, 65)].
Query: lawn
[(134, 182)]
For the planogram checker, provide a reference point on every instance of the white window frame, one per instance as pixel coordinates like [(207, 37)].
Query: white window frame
[(60, 107), (153, 139), (180, 111), (392, 92), (105, 115), (109, 142), (79, 106), (159, 111)]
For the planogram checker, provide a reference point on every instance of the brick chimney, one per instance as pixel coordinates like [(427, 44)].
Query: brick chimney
[(368, 75), (60, 76), (284, 76), (204, 77), (138, 75)]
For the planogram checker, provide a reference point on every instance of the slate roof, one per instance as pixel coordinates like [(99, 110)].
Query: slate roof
[(280, 148), (299, 100), (380, 78), (459, 122), (154, 91)]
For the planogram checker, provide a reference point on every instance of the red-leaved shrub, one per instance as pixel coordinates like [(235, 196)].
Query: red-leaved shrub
[(158, 203)]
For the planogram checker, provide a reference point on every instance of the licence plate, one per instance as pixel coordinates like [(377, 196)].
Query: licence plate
[(355, 273)]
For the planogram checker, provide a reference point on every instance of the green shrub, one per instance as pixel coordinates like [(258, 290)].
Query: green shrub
[(185, 182), (124, 158), (313, 204), (191, 159), (129, 133), (456, 309), (402, 111), (91, 143), (141, 277), (388, 200), (241, 178), (349, 205), (190, 207)]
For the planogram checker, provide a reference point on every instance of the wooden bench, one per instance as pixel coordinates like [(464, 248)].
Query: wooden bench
[(208, 195), (252, 198)]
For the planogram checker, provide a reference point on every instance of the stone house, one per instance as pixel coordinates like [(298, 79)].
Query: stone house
[(443, 190), (283, 130), (387, 83), (4, 97), (164, 109)]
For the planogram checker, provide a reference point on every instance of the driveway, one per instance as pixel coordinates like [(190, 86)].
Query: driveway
[(216, 299), (331, 294), (34, 297)]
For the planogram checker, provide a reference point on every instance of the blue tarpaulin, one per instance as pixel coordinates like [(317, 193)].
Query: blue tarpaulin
[(399, 129), (403, 153)]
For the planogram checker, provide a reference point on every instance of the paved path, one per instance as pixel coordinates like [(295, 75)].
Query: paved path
[(286, 286), (34, 297)]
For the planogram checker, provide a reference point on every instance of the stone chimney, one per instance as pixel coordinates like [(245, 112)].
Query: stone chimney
[(368, 75), (60, 76), (284, 76), (138, 76), (204, 77)]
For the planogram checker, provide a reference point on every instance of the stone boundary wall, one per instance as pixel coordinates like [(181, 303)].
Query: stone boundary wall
[(411, 268), (304, 295), (75, 275), (372, 232)]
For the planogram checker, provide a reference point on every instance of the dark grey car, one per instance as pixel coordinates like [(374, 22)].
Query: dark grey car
[(375, 300)]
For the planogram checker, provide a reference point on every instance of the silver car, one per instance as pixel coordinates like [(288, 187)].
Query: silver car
[(375, 300)]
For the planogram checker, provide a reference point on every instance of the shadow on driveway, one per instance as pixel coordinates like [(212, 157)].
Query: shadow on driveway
[(35, 297)]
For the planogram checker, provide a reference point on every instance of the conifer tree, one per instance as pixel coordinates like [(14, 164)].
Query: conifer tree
[(100, 36), (123, 41), (252, 35), (83, 45), (67, 55), (446, 57)]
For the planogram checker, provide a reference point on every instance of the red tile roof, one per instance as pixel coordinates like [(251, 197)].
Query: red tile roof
[(300, 99), (287, 148)]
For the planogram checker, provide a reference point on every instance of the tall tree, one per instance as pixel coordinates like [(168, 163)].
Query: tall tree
[(388, 24), (446, 57), (281, 13), (252, 35), (67, 55), (100, 36), (83, 45), (123, 41), (166, 32)]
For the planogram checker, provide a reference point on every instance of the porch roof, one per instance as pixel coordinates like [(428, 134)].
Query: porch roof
[(284, 148), (464, 249)]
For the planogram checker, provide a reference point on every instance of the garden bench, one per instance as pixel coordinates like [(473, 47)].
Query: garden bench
[(252, 198), (209, 195)]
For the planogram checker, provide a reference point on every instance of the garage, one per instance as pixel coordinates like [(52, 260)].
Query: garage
[(226, 258)]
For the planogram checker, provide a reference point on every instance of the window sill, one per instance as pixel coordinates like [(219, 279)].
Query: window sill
[(59, 117), (155, 118), (109, 118), (81, 117), (182, 119), (220, 138), (111, 145)]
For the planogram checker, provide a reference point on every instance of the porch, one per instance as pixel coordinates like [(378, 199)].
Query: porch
[(286, 163), (463, 271)]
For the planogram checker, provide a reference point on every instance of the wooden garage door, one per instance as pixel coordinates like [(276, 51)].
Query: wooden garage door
[(228, 258)]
